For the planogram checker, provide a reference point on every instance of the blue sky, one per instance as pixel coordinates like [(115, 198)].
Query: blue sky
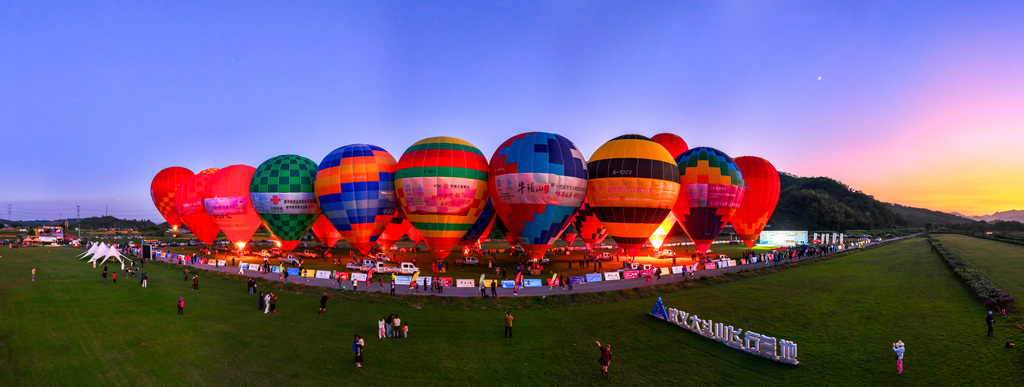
[(98, 97)]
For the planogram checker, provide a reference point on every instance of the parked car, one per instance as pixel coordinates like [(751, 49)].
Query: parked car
[(471, 260), (665, 254), (407, 268), (544, 259)]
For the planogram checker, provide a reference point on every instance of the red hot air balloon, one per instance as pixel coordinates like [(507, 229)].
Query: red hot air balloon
[(759, 200), (672, 143), (229, 203), (162, 190), (393, 232), (591, 230), (570, 234), (188, 202), (413, 234), (325, 231)]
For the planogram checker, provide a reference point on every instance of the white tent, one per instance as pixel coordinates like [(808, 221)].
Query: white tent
[(93, 247), (108, 252)]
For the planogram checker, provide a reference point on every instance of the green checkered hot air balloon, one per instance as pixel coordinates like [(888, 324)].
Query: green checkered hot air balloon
[(282, 194)]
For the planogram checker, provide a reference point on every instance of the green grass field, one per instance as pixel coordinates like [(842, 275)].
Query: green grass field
[(1002, 263), (68, 328)]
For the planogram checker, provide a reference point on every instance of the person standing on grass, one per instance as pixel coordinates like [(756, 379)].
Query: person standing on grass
[(358, 347), (392, 287), (380, 328), (898, 348), (388, 323), (273, 303), (104, 274), (113, 276), (323, 304), (988, 320), (494, 288), (606, 358), (262, 303), (397, 324), (145, 279), (34, 280), (181, 305), (405, 330), (266, 303), (508, 324), (186, 274)]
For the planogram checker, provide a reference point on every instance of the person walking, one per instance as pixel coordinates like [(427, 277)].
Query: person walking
[(989, 319), (606, 358), (266, 303), (323, 304), (34, 280), (181, 305), (380, 328), (508, 324), (898, 348), (358, 347)]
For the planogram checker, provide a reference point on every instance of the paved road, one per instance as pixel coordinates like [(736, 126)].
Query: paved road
[(452, 291)]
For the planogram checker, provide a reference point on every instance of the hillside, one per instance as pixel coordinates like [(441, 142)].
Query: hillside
[(1012, 215), (822, 203), (919, 217)]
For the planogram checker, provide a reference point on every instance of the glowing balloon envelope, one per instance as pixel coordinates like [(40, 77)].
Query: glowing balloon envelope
[(658, 237), (633, 186), (537, 182), (570, 233), (413, 235), (672, 143), (759, 199), (162, 190), (712, 191), (281, 191), (325, 232), (590, 228), (442, 187), (394, 231), (356, 188), (188, 202), (230, 205)]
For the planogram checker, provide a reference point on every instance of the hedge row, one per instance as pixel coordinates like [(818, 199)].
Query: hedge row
[(986, 291)]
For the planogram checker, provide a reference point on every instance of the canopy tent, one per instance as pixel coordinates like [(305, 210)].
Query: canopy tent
[(107, 252), (93, 247)]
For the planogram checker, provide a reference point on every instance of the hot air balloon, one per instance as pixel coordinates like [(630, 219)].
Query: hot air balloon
[(672, 143), (230, 205), (658, 237), (398, 226), (480, 228), (356, 188), (414, 236), (188, 202), (633, 186), (511, 237), (325, 232), (281, 191), (712, 191), (570, 234), (591, 230), (442, 187), (759, 199), (537, 181), (162, 190)]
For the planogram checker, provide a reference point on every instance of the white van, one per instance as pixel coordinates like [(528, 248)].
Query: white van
[(407, 268)]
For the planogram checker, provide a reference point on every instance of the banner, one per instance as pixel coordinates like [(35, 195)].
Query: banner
[(678, 269), (630, 274), (646, 273), (487, 283), (310, 274), (285, 203), (532, 283), (292, 271), (508, 284), (359, 277), (243, 265), (445, 281), (575, 280), (341, 276), (403, 280), (611, 276), (464, 283), (225, 206), (323, 274), (221, 262), (277, 269), (423, 280), (593, 277)]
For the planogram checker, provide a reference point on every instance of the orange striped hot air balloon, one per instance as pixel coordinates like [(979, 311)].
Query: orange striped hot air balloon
[(633, 185), (356, 188), (442, 188)]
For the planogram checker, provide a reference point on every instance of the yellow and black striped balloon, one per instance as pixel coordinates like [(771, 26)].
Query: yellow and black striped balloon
[(634, 182)]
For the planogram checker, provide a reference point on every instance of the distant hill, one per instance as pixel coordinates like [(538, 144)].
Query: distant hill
[(918, 217), (822, 203), (1012, 215)]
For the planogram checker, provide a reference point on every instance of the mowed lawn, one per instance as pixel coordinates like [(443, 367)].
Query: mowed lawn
[(68, 328), (1002, 263)]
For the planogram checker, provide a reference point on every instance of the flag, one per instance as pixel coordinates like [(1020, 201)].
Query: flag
[(551, 282), (369, 273), (519, 278), (415, 275)]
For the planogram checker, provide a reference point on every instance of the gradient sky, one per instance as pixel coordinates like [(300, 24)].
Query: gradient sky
[(918, 102)]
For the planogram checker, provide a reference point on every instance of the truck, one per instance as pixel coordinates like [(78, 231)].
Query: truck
[(407, 268), (363, 265)]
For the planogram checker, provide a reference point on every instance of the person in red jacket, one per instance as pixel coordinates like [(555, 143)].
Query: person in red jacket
[(181, 305)]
